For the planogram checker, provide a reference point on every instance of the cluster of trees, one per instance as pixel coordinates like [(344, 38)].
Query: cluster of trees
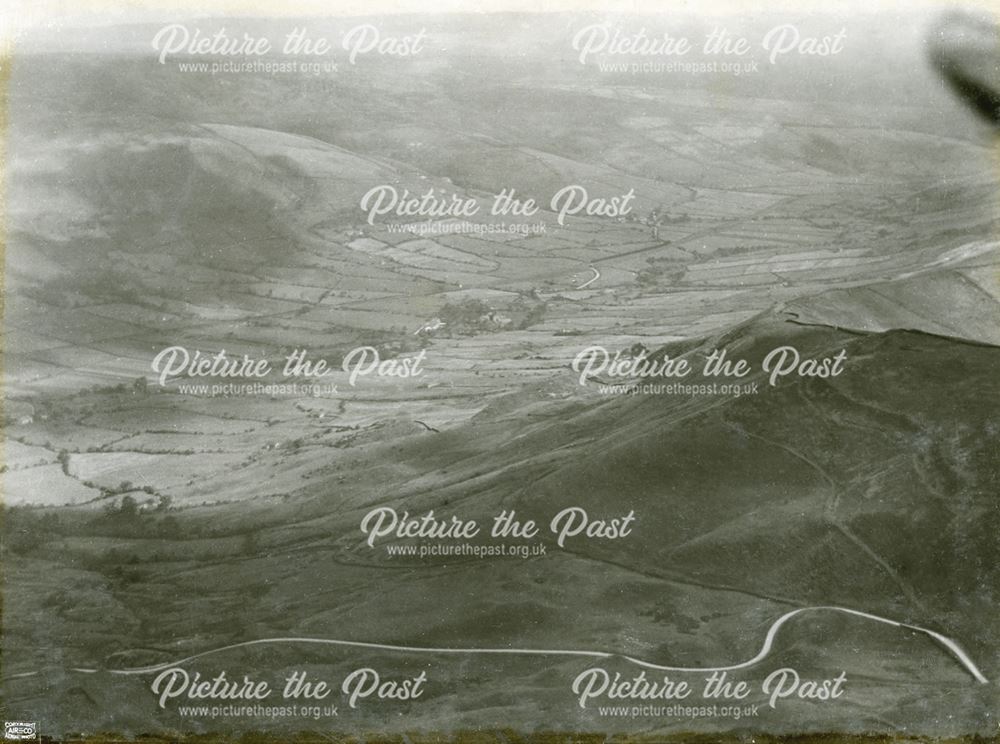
[(26, 529), (470, 315)]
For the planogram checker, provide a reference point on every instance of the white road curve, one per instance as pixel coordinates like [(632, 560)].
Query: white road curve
[(594, 278), (950, 645)]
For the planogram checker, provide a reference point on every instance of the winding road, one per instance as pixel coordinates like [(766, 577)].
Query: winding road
[(951, 646), (594, 278)]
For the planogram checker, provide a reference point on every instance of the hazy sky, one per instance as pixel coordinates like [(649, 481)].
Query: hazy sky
[(50, 25), (19, 13)]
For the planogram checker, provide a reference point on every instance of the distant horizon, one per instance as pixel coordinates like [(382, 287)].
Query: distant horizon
[(58, 14)]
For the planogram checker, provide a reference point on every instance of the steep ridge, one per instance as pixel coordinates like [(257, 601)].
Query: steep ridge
[(962, 300)]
